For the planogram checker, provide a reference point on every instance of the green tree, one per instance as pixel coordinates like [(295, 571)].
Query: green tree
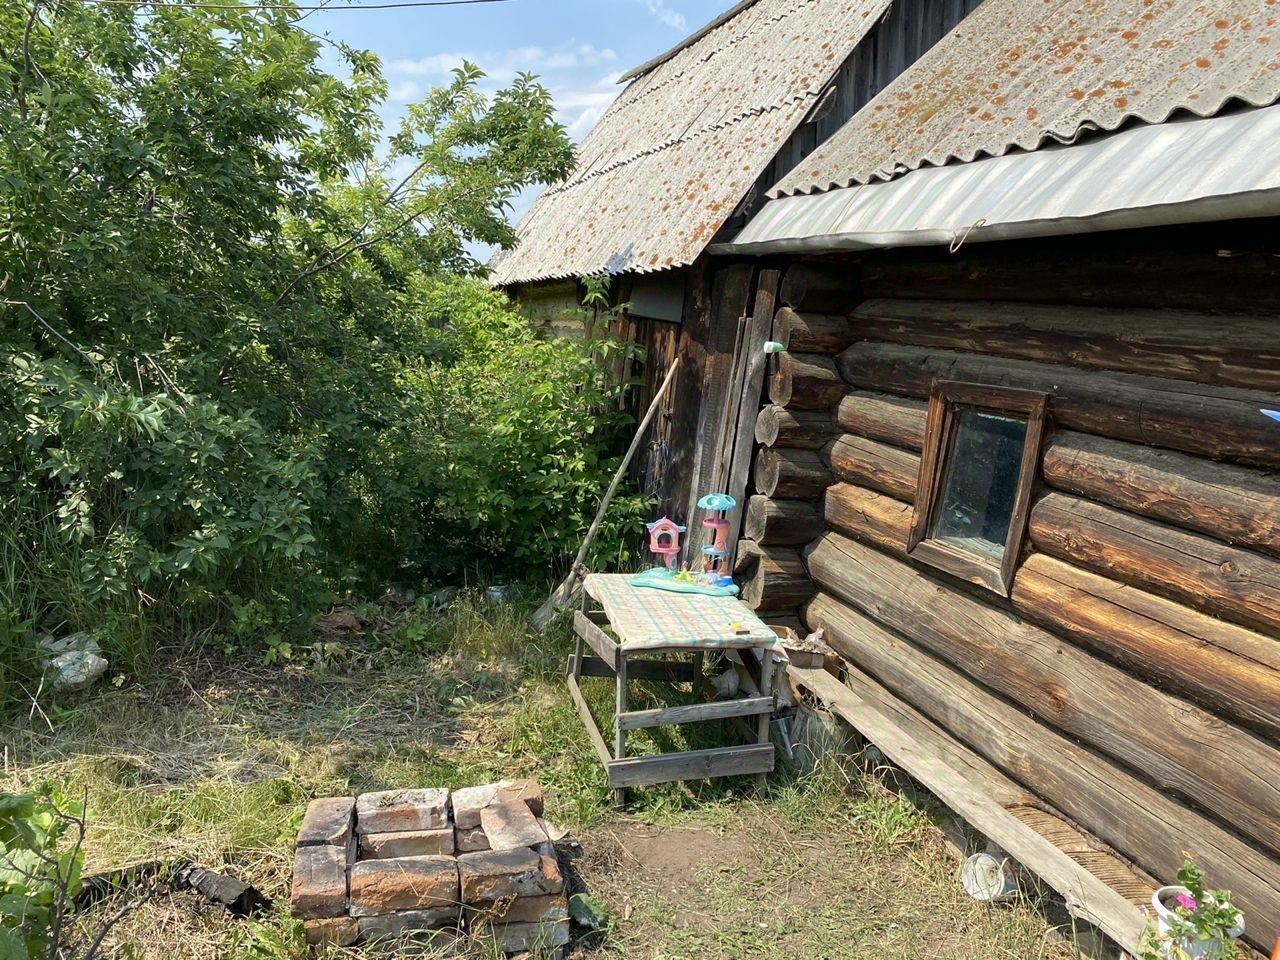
[(216, 346)]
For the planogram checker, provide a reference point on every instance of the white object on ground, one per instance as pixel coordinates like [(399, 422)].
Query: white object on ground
[(989, 878), (75, 662)]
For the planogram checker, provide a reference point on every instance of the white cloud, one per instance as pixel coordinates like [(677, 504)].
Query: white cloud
[(502, 65), (664, 14)]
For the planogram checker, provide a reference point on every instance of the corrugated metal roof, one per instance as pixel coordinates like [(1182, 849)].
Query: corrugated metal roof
[(1188, 170), (1020, 73), (678, 150)]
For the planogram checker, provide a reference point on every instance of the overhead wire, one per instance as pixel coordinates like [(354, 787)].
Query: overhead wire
[(203, 5)]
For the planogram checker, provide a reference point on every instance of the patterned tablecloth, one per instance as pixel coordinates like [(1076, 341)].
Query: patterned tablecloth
[(648, 619)]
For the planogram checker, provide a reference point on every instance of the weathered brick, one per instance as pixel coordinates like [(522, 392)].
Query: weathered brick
[(549, 909), (411, 843), (396, 811), (511, 825), (409, 883), (469, 801), (540, 937), (406, 922), (498, 875), (328, 821), (338, 931), (470, 841), (319, 883)]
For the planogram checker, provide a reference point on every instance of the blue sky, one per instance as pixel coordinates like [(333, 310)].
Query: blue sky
[(578, 47)]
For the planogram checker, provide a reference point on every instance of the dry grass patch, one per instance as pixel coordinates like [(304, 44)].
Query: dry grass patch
[(215, 762)]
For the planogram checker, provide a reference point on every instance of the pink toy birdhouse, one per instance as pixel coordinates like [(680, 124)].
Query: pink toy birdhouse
[(664, 540)]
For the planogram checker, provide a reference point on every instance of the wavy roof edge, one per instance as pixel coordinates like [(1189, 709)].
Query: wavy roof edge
[(1079, 68)]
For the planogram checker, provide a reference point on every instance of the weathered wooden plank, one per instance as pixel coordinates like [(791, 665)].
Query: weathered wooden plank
[(1141, 821), (806, 430), (811, 332), (1240, 585), (805, 381), (605, 646), (874, 464), (1212, 421), (868, 516), (883, 416), (746, 557), (790, 474), (781, 522), (1232, 503), (669, 671), (695, 713), (588, 720), (691, 765), (1238, 351), (692, 349), (1231, 671), (778, 582), (1182, 748), (975, 790), (748, 402)]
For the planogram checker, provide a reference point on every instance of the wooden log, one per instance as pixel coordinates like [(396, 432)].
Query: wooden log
[(1237, 584), (1223, 267), (985, 798), (781, 522), (868, 516), (1231, 503), (820, 287), (1180, 747), (1237, 351), (806, 381), (811, 332), (745, 557), (883, 416), (873, 464), (790, 474), (778, 583), (802, 429), (1230, 670), (1142, 822), (1216, 422)]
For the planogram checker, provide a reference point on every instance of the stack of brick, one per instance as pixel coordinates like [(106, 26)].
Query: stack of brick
[(404, 862)]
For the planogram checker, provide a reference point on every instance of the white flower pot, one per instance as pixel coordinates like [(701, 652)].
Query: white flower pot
[(1195, 949)]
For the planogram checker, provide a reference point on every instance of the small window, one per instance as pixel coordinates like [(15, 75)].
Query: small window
[(981, 449)]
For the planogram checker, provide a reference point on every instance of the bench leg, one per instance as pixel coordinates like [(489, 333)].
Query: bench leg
[(620, 735), (765, 719)]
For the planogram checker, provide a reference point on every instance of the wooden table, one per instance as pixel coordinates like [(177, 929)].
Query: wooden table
[(641, 633)]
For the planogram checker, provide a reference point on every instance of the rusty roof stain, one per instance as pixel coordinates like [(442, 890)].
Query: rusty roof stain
[(684, 142), (1018, 74)]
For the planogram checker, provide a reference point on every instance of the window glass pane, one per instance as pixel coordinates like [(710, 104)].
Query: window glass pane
[(980, 482)]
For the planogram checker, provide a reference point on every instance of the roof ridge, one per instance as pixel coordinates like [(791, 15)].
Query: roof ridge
[(689, 41)]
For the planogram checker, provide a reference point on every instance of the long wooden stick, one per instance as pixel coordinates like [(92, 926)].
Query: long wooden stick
[(564, 594)]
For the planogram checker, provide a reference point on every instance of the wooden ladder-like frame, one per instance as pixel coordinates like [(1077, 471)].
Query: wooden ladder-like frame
[(612, 660)]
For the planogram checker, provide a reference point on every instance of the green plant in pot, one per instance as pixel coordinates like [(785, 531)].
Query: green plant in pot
[(1188, 922)]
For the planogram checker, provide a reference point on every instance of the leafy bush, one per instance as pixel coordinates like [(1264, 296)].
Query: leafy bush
[(243, 355), (39, 877)]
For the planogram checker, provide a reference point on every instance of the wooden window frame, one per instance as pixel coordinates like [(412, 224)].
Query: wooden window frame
[(946, 398)]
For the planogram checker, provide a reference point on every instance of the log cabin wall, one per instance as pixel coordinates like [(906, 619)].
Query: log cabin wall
[(1132, 678)]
